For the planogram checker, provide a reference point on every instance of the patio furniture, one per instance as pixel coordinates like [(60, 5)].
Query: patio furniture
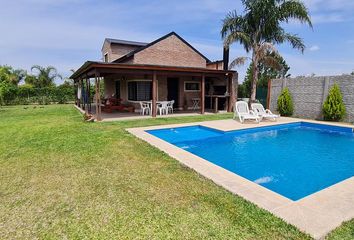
[(144, 108), (243, 113), (162, 107), (263, 113), (195, 103), (170, 106), (115, 104)]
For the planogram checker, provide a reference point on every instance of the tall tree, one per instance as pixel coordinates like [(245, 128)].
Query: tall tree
[(265, 74), (10, 75), (260, 28), (45, 76)]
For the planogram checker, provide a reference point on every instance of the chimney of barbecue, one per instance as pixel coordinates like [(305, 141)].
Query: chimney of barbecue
[(225, 58)]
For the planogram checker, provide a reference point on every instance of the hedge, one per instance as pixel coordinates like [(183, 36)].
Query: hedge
[(26, 94)]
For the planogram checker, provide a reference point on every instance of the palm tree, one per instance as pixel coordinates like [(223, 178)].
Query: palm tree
[(11, 75), (260, 28), (46, 75)]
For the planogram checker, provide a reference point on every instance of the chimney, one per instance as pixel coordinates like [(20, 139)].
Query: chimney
[(225, 58)]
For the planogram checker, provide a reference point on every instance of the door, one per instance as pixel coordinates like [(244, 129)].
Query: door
[(173, 91)]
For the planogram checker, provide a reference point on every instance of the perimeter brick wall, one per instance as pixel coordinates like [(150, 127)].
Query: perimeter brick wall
[(309, 93)]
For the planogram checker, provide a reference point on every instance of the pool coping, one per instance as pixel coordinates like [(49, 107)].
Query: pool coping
[(316, 214)]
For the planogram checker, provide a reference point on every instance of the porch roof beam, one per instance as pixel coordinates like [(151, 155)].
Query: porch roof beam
[(103, 67)]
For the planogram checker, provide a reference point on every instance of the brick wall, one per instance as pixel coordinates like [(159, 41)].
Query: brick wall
[(216, 65), (309, 93), (170, 52), (116, 51)]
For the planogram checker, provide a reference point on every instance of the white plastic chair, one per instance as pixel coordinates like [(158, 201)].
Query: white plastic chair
[(243, 113), (144, 107), (170, 106), (263, 113), (162, 108)]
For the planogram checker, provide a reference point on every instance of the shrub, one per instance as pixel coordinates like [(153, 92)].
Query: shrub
[(333, 108), (285, 103), (8, 93), (44, 100)]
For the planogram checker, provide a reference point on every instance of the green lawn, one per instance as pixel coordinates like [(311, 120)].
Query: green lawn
[(63, 178)]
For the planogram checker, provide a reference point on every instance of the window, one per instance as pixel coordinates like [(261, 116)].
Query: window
[(105, 58), (192, 86), (139, 90)]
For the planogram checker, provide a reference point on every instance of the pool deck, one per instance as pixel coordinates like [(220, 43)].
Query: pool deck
[(316, 214)]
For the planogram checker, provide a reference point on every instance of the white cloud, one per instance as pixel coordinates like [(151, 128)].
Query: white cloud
[(314, 48)]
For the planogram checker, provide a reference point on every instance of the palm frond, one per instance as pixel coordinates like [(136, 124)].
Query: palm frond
[(228, 23), (238, 62), (240, 37), (295, 41), (266, 49), (234, 30), (272, 62), (51, 68), (37, 67), (294, 9)]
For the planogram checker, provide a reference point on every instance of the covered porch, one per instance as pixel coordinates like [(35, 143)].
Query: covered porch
[(125, 116), (127, 86)]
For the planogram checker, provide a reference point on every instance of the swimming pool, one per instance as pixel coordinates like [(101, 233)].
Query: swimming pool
[(294, 160)]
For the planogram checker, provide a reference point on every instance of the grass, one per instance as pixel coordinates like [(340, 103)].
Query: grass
[(63, 178), (344, 232)]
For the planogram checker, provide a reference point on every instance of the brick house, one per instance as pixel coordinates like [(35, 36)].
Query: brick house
[(168, 68)]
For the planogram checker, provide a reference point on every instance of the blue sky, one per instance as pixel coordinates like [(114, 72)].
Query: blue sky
[(67, 33)]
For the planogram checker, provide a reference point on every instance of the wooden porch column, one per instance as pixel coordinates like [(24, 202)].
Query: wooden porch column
[(97, 97), (88, 104), (202, 94), (81, 101), (85, 97), (77, 93), (154, 94)]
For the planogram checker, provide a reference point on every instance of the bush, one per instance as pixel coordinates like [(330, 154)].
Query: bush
[(8, 93), (11, 94), (44, 100), (333, 108), (285, 103)]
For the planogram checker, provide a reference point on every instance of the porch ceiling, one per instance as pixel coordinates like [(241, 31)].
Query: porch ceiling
[(91, 69)]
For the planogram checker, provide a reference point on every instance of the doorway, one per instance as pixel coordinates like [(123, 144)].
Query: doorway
[(173, 91)]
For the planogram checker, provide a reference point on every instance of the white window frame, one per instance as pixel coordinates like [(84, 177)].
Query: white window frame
[(141, 80), (185, 83)]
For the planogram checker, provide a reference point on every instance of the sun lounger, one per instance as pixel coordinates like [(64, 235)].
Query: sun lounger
[(263, 113), (243, 113)]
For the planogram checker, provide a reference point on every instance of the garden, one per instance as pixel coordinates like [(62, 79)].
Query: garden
[(64, 178)]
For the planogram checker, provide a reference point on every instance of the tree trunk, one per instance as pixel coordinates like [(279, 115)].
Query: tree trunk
[(254, 79)]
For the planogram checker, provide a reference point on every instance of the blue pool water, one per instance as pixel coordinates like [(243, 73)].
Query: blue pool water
[(294, 160)]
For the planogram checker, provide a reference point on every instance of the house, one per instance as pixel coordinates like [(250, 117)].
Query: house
[(166, 69)]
